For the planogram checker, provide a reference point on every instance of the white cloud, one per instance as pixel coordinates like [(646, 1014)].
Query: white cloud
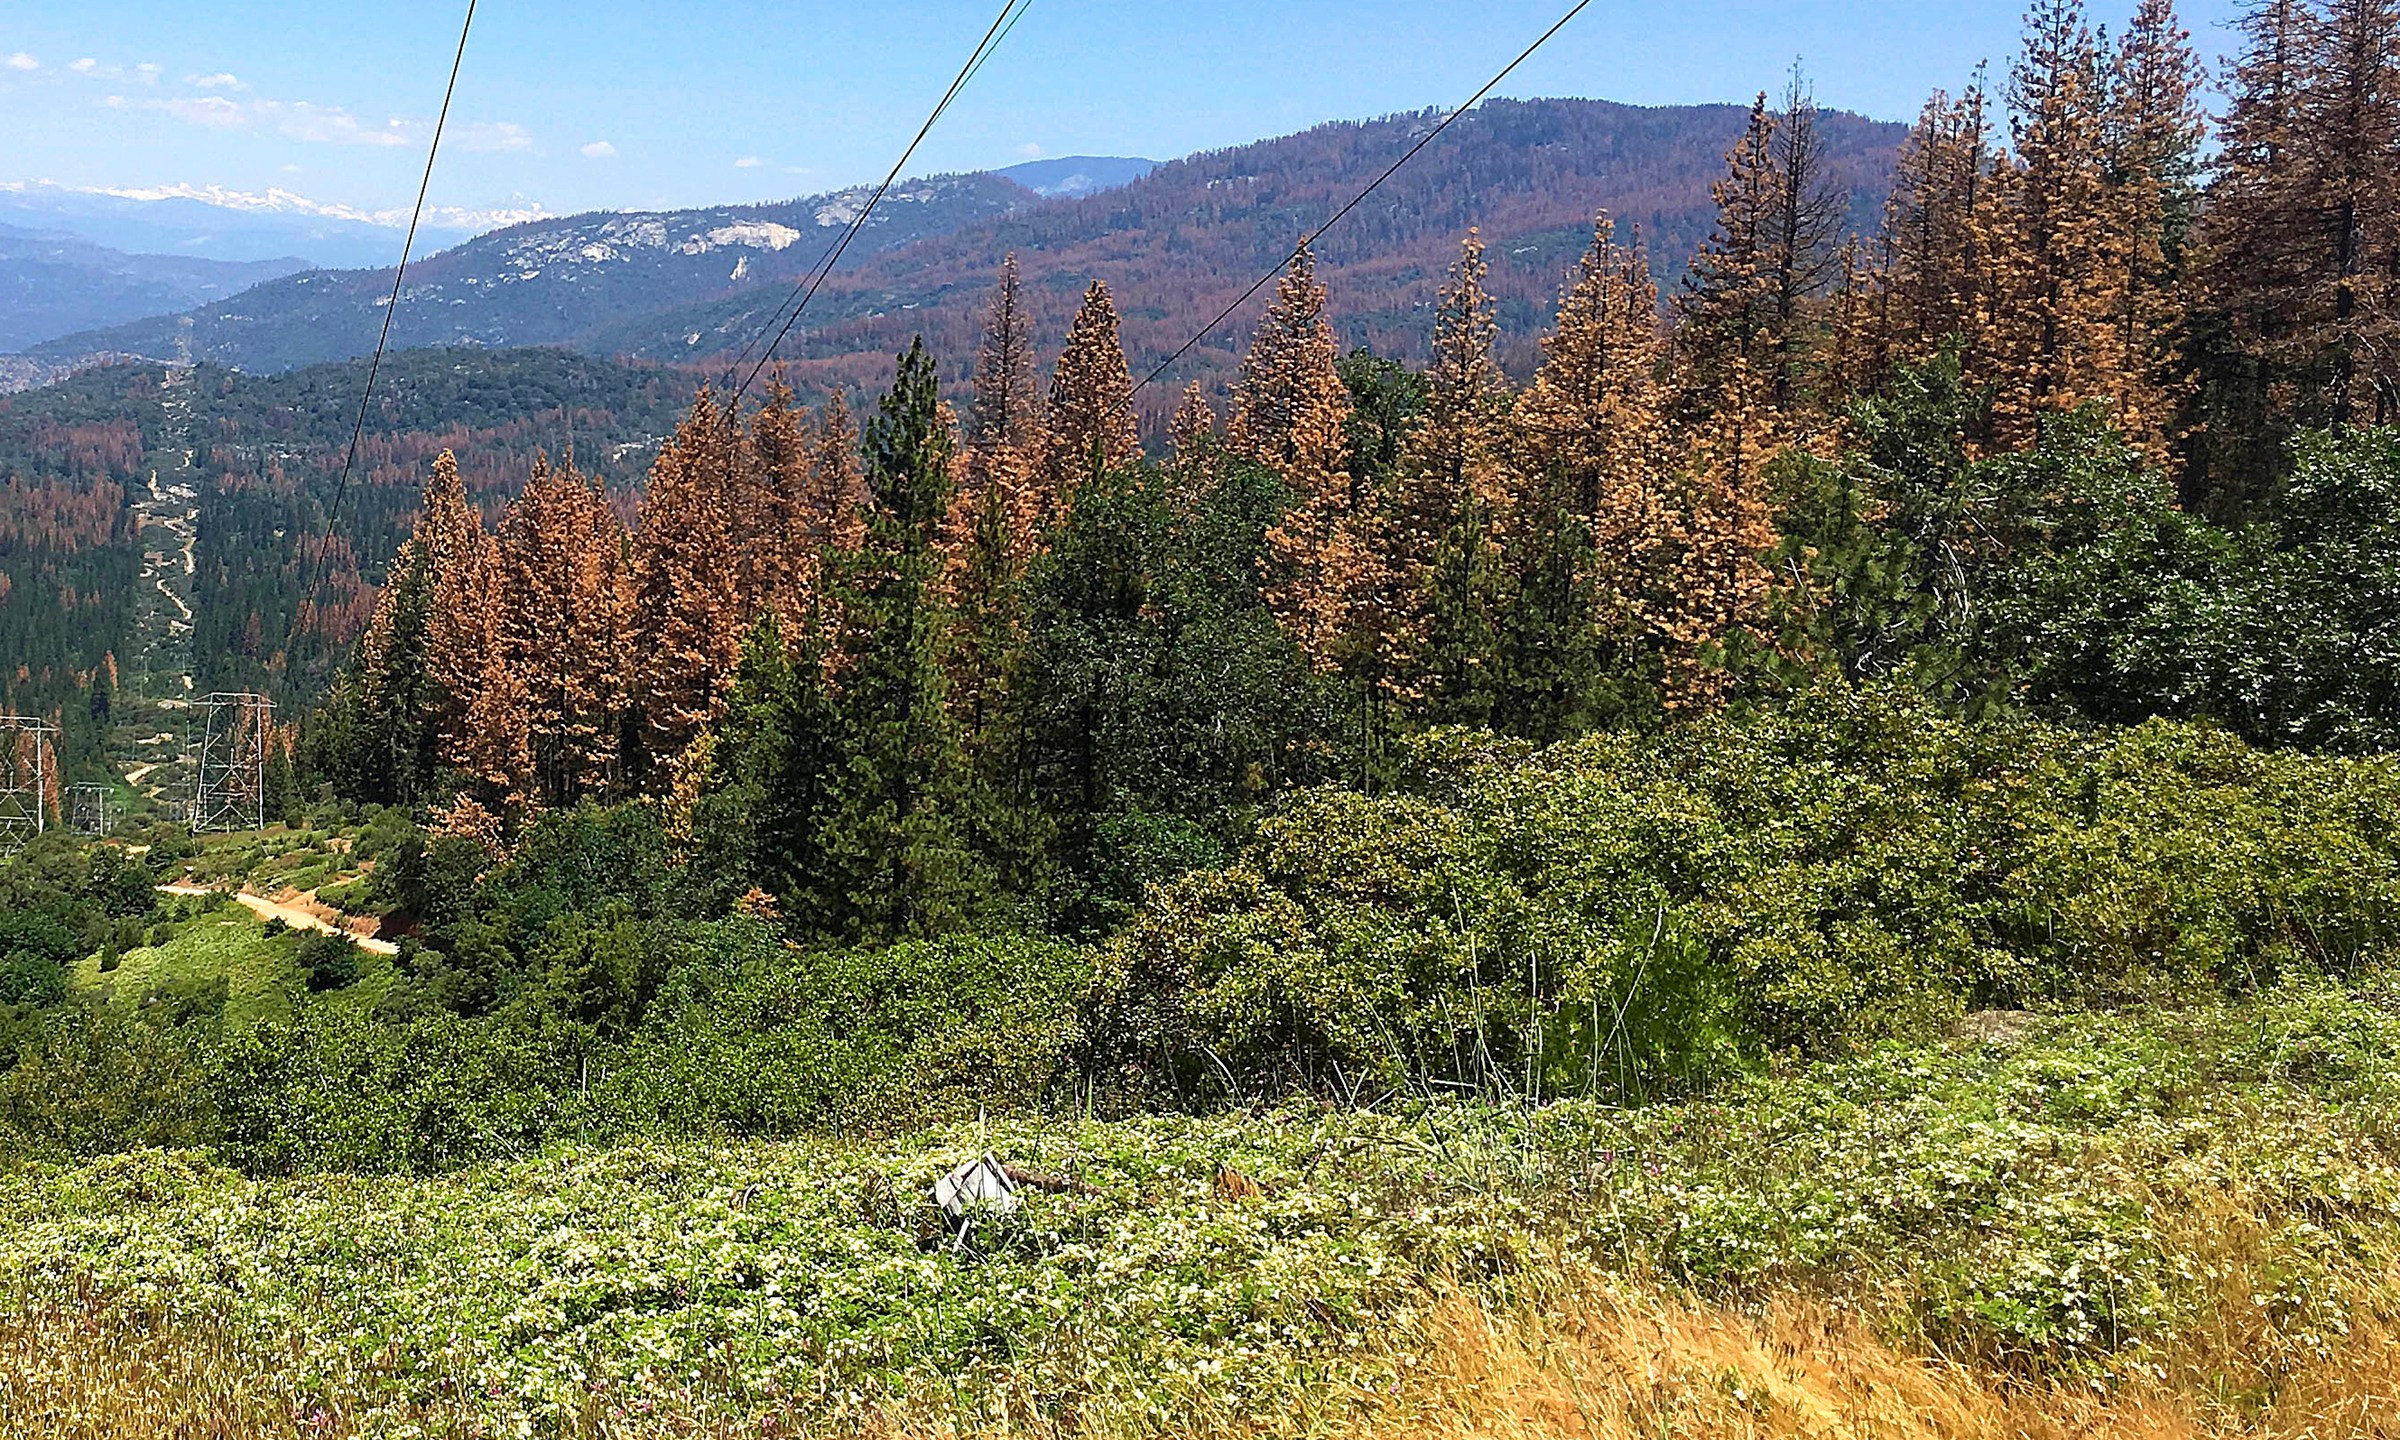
[(91, 69), (222, 80), (22, 61), (488, 137), (213, 111), (315, 124), (1030, 150), (600, 150), (748, 162)]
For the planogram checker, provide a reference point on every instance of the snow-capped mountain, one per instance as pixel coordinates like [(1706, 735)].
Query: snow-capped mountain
[(554, 281)]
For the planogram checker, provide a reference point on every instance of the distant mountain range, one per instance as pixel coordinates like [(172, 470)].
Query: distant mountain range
[(1072, 177), (54, 284), (1175, 242), (212, 225)]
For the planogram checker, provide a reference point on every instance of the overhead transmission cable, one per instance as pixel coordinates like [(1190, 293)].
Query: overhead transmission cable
[(391, 307), (810, 280), (1353, 203)]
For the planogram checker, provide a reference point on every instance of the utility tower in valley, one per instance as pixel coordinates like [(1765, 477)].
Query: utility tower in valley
[(229, 785), (87, 810), (28, 777)]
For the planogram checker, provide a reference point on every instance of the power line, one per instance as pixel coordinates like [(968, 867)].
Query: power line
[(391, 307), (806, 290), (1354, 202)]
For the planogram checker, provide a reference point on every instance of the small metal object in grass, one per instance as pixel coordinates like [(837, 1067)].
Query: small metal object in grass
[(980, 1185)]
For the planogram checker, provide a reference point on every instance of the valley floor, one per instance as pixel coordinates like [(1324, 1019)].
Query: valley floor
[(2171, 1223)]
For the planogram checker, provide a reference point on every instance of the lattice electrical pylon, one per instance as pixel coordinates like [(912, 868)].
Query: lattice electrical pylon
[(229, 786), (87, 810), (28, 777)]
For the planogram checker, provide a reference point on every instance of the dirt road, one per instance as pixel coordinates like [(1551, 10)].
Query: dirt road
[(291, 915)]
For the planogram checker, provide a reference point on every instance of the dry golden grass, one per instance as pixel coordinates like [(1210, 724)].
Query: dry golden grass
[(91, 1371), (1597, 1361)]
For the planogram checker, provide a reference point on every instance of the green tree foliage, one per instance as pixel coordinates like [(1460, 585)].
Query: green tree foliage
[(1157, 701)]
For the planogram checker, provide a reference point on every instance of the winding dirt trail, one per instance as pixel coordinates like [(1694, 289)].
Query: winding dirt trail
[(292, 915)]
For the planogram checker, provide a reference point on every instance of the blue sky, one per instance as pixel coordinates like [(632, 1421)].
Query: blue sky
[(605, 104)]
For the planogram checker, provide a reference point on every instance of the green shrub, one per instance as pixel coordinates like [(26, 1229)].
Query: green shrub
[(331, 962), (28, 978), (1622, 915)]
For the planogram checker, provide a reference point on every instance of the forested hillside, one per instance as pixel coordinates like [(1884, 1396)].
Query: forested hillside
[(265, 455), (1181, 242), (1175, 244), (549, 282)]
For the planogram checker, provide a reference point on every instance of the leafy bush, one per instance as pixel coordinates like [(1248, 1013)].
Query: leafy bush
[(29, 978), (331, 962), (1621, 915)]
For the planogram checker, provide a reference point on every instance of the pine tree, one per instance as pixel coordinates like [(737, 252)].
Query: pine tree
[(1446, 519), (563, 644), (1007, 413), (1090, 419), (775, 480), (2152, 134), (1329, 577), (996, 516), (827, 520), (1193, 431), (1806, 210), (2302, 221), (459, 627), (392, 702), (775, 775), (2052, 327), (1592, 424), (1705, 590), (1935, 284), (687, 624), (1725, 312), (1288, 371), (1588, 515), (898, 842), (422, 658)]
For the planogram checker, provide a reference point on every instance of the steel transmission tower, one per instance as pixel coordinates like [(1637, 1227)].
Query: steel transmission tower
[(87, 810), (229, 787), (28, 777)]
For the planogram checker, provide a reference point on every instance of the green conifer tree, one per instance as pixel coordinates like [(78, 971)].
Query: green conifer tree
[(899, 838)]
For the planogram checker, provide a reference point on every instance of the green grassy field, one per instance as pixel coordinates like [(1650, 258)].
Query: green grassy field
[(259, 972)]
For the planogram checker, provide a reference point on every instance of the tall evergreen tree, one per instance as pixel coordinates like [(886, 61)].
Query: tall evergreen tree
[(459, 626), (2152, 135), (1725, 312), (1806, 210), (2060, 255), (1007, 413), (1586, 519), (898, 844), (1936, 282), (824, 518), (1288, 370), (1090, 419), (563, 643), (1449, 505), (776, 479), (687, 598), (995, 518)]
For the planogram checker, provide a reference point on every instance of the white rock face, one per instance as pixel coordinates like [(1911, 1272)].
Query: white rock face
[(754, 235)]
